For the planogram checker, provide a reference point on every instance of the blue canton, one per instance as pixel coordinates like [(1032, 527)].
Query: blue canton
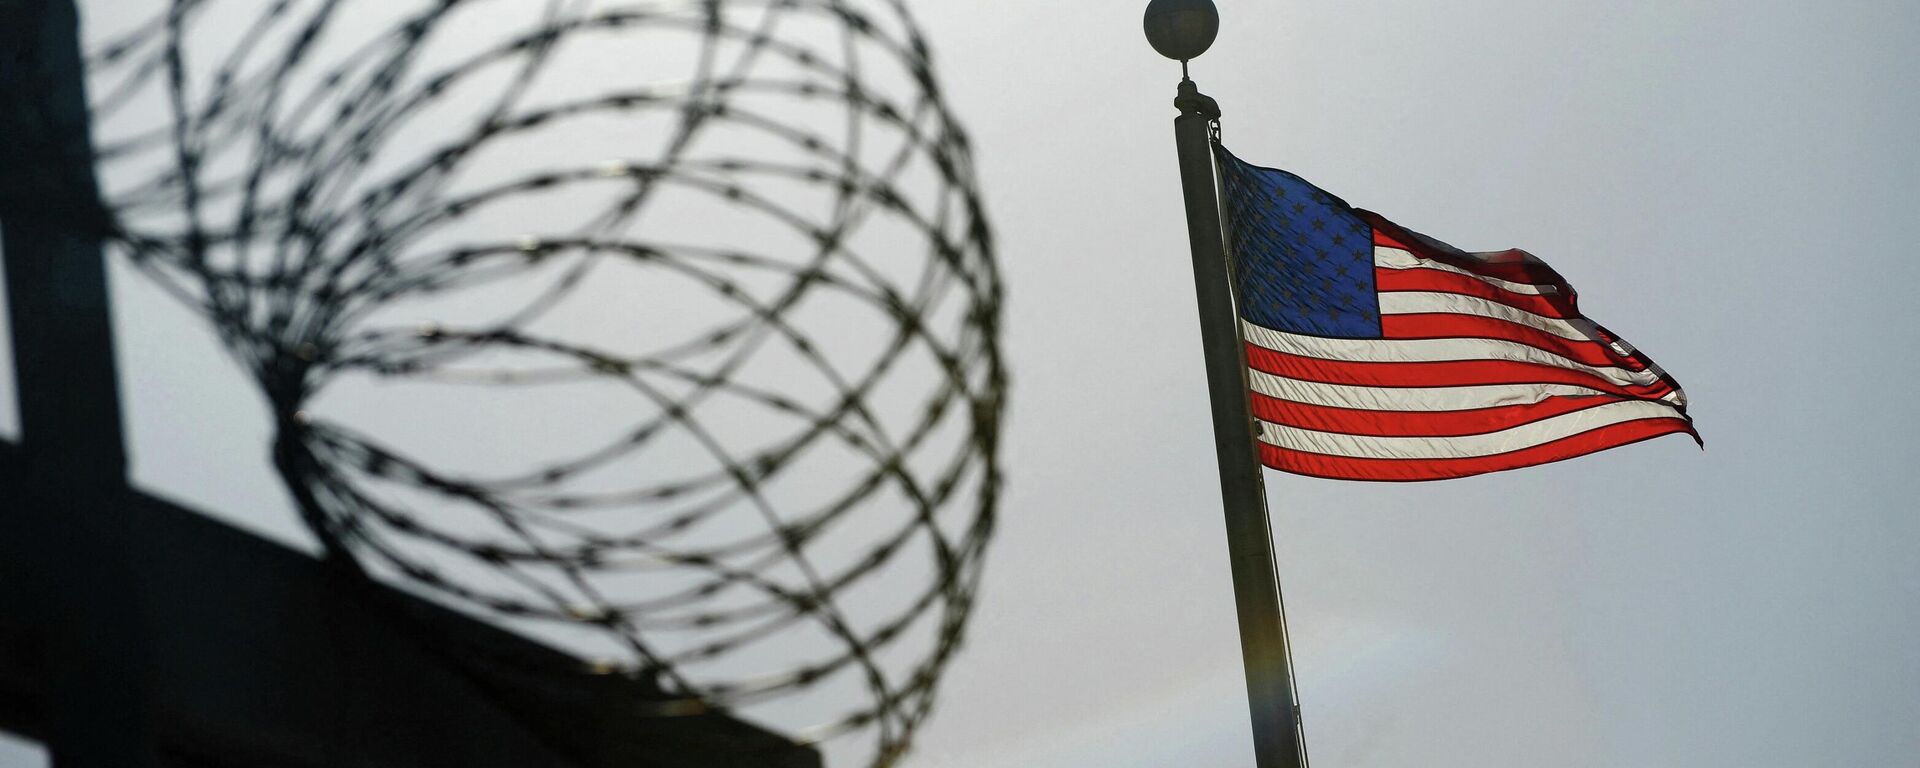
[(1303, 259)]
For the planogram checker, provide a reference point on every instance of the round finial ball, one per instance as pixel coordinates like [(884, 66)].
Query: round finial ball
[(1182, 29)]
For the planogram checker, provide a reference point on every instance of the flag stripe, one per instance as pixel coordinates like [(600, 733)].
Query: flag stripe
[(1428, 302), (1439, 281), (1464, 446), (1514, 266), (1447, 373), (1436, 350), (1347, 468), (1354, 421), (1409, 398), (1387, 257), (1448, 326)]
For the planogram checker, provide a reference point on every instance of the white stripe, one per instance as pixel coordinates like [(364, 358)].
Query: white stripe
[(1388, 257), (1423, 302), (1469, 446), (1409, 398), (1431, 351)]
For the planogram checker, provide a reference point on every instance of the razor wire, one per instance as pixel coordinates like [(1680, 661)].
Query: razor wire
[(283, 196)]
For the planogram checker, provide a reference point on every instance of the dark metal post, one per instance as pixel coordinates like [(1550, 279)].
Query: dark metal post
[(1182, 30), (72, 514), (1277, 740)]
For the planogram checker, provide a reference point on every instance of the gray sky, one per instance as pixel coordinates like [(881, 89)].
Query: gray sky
[(1728, 185)]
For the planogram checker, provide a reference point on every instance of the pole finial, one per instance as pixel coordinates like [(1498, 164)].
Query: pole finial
[(1182, 29)]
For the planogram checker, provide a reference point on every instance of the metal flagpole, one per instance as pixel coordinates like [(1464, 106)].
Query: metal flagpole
[(1183, 29)]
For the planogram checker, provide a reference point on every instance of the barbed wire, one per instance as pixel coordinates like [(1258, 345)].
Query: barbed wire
[(320, 184)]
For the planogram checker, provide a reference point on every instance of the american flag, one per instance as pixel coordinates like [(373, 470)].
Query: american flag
[(1377, 353)]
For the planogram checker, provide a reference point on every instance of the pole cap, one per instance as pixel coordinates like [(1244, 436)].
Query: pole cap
[(1182, 29)]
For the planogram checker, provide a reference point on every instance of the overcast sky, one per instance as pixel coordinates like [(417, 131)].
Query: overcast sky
[(1730, 185)]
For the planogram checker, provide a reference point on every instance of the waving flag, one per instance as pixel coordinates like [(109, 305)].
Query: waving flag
[(1376, 353)]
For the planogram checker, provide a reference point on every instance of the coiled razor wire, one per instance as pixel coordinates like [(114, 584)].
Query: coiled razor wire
[(324, 179)]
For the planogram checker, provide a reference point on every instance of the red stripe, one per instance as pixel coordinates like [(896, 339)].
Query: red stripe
[(1478, 421), (1383, 238), (1512, 265), (1449, 373), (1511, 271), (1344, 468), (1440, 325), (1434, 280)]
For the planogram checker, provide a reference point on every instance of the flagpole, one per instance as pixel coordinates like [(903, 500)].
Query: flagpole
[(1183, 29)]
